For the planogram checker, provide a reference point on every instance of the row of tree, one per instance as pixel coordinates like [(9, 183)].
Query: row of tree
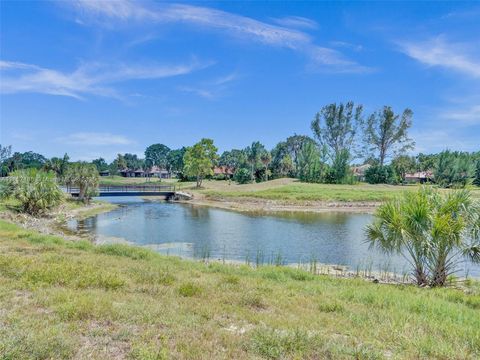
[(341, 135)]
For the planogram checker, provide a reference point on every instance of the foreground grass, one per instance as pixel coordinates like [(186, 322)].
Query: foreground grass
[(62, 299)]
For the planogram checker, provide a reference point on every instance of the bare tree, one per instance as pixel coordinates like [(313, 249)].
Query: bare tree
[(386, 133)]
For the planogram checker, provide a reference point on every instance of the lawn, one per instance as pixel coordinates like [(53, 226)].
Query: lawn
[(290, 190), (286, 190), (120, 180), (62, 299), (294, 191)]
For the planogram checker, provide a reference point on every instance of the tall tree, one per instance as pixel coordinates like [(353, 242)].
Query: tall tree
[(5, 152), (157, 155), (26, 160), (386, 133), (233, 159), (266, 158), (133, 162), (254, 152), (426, 162), (200, 159), (311, 164), (58, 165), (120, 163), (294, 145), (335, 126), (175, 160), (101, 164)]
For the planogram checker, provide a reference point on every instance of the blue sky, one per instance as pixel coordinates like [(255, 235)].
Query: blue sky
[(95, 78)]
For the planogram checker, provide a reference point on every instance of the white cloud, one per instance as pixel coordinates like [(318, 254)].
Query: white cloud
[(87, 79), (94, 139), (469, 115), (211, 89), (439, 52), (229, 23), (431, 141), (296, 22)]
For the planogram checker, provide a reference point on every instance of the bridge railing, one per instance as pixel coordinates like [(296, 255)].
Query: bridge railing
[(125, 189)]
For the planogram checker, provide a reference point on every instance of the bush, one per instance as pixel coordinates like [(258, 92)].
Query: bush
[(476, 179), (381, 175), (36, 190), (219, 177), (453, 169), (243, 176)]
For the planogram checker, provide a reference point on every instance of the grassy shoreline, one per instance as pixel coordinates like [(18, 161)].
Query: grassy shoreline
[(63, 299)]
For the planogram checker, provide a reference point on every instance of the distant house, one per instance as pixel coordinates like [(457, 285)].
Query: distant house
[(156, 171), (132, 173), (104, 173), (359, 171), (419, 177), (223, 170)]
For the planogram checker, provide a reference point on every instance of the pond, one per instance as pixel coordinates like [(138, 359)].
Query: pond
[(202, 232)]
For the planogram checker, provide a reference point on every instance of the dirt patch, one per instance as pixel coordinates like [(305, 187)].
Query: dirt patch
[(260, 205)]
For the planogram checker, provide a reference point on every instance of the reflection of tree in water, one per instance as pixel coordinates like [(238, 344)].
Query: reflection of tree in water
[(333, 217), (87, 225), (198, 212)]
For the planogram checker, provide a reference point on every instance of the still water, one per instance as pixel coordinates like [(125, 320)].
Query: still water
[(200, 232)]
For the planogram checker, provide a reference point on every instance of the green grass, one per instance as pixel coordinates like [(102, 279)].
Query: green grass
[(301, 192), (298, 192), (120, 180), (62, 300)]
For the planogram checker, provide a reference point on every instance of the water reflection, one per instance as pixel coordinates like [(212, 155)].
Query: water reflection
[(191, 231)]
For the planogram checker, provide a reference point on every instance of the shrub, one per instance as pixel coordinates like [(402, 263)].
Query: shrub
[(243, 176), (453, 169), (476, 180), (381, 175), (433, 231), (37, 191)]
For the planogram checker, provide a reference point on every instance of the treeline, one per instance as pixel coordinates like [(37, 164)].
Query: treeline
[(342, 135)]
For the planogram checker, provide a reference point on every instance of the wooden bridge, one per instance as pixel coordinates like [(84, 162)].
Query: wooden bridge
[(167, 191)]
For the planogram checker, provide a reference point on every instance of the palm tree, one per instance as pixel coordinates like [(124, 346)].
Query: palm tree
[(266, 158), (85, 176), (431, 231), (36, 191)]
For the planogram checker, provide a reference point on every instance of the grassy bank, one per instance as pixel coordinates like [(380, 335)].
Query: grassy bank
[(64, 299), (286, 190), (294, 191), (120, 180)]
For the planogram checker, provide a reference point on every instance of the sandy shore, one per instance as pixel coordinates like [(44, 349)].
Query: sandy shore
[(245, 204), (52, 222)]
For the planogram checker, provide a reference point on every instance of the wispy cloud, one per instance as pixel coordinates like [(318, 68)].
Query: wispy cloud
[(431, 141), (226, 22), (439, 52), (87, 79), (469, 115), (94, 139), (296, 22), (211, 89)]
